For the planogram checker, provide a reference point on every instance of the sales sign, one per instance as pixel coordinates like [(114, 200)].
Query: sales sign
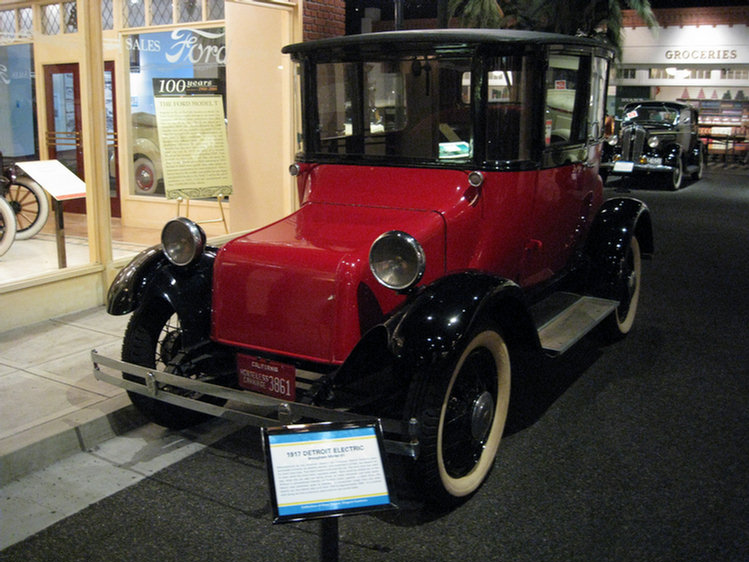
[(325, 469)]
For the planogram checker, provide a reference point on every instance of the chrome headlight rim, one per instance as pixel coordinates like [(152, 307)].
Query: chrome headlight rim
[(654, 141), (397, 260), (182, 241), (612, 140)]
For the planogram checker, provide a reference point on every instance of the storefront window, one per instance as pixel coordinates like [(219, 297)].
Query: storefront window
[(107, 14), (17, 133), (134, 13), (161, 12)]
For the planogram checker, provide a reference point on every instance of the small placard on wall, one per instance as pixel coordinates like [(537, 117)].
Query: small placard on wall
[(325, 469)]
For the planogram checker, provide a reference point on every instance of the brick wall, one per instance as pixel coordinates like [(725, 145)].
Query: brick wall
[(324, 18)]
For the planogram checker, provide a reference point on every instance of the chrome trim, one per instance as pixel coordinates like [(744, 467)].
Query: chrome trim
[(418, 254), (188, 233), (475, 178), (244, 406)]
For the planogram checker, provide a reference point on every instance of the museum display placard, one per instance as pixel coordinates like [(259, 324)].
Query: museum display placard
[(55, 178), (194, 147), (325, 469)]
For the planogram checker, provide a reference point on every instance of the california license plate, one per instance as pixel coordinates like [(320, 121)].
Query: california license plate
[(268, 377)]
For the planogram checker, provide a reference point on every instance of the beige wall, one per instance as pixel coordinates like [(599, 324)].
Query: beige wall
[(260, 112)]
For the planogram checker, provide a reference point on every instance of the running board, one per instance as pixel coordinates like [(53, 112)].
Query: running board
[(564, 318)]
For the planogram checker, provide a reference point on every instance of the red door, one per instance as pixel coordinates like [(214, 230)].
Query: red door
[(64, 131)]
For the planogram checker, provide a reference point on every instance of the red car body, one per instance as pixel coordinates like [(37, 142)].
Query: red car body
[(451, 217)]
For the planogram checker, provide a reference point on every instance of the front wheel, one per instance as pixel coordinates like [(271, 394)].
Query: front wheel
[(153, 339), (7, 226), (676, 176), (462, 414), (627, 292), (29, 202)]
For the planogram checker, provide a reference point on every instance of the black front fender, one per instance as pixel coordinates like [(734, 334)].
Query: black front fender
[(150, 279), (431, 326), (126, 291)]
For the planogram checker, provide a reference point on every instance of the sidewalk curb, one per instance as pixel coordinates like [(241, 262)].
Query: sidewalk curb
[(43, 445)]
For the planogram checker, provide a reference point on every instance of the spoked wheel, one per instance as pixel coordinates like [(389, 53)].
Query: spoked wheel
[(462, 414), (627, 292), (29, 202), (153, 339), (7, 226)]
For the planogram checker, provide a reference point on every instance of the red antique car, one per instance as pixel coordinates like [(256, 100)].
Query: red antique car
[(451, 218)]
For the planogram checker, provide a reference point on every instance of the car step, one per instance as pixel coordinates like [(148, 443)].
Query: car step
[(562, 319)]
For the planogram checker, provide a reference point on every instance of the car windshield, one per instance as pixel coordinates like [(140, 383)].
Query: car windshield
[(651, 114), (410, 107)]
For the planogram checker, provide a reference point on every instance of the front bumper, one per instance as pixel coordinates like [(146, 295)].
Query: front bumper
[(624, 168), (244, 406)]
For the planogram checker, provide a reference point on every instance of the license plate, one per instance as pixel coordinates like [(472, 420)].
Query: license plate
[(268, 377), (623, 166)]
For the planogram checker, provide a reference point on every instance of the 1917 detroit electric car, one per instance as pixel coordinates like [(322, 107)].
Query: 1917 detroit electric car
[(451, 216), (660, 138)]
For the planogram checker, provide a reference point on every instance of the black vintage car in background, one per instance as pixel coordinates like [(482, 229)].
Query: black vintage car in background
[(657, 139)]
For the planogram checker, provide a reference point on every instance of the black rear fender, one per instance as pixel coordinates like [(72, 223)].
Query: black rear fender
[(616, 223)]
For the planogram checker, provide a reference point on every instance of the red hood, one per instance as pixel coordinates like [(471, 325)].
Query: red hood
[(302, 286)]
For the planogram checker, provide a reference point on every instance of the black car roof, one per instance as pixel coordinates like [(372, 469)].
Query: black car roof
[(653, 103), (397, 40)]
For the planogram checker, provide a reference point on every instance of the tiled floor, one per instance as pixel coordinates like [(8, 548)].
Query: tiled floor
[(37, 255), (52, 406)]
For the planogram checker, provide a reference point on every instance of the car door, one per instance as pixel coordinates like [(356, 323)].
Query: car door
[(566, 184)]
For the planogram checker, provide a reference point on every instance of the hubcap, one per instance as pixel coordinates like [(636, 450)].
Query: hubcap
[(481, 416), (144, 178)]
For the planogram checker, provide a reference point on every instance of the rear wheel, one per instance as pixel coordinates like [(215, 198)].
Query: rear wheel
[(627, 292), (462, 414), (153, 339), (7, 226), (700, 165)]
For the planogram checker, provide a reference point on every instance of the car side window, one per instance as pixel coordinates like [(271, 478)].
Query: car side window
[(565, 122), (597, 109), (508, 118)]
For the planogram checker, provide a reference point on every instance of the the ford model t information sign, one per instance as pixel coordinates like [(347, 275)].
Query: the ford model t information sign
[(325, 469)]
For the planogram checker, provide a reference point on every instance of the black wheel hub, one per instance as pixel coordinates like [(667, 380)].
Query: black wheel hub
[(469, 414)]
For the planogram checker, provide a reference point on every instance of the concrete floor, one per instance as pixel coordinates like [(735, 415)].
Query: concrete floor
[(53, 409), (52, 405)]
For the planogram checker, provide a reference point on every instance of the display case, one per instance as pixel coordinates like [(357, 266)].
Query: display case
[(724, 125)]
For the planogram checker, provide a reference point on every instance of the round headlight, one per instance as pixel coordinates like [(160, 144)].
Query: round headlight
[(654, 141), (182, 241), (612, 140), (397, 260)]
